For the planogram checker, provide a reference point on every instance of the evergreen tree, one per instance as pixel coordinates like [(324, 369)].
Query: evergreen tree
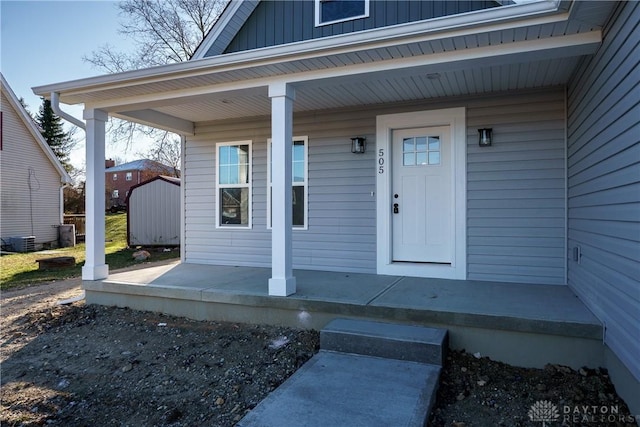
[(61, 142)]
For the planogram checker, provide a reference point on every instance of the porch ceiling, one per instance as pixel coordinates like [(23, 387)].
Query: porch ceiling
[(417, 61)]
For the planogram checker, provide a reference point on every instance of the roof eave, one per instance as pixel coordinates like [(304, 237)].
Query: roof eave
[(487, 19)]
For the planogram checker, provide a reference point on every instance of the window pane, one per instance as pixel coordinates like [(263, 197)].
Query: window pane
[(421, 144), (421, 158), (434, 158), (434, 143), (409, 159), (298, 206), (407, 144), (224, 175), (224, 155), (234, 206), (298, 151), (333, 10), (298, 172), (242, 154)]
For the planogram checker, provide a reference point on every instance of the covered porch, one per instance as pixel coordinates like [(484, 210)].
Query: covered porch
[(522, 324)]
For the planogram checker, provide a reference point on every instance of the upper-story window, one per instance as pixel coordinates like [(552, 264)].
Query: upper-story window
[(129, 176), (332, 11), (115, 176)]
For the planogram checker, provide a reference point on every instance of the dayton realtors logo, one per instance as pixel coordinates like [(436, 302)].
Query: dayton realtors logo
[(546, 412)]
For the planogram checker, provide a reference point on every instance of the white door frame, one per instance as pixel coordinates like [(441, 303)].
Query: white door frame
[(385, 125)]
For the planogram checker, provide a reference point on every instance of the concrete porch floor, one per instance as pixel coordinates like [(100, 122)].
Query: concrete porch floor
[(521, 324)]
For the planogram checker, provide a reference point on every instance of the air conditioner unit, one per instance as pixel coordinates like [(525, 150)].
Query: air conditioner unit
[(24, 244)]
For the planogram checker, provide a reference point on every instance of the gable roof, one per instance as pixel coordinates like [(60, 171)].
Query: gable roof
[(141, 165), (225, 28), (33, 130)]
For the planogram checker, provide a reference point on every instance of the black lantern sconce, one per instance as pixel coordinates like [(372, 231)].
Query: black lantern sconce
[(485, 137), (358, 145)]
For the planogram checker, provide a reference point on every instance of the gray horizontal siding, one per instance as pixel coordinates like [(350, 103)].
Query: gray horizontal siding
[(604, 184), (279, 22), (340, 185), (30, 185), (516, 190)]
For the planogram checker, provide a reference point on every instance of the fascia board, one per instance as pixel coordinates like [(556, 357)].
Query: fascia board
[(506, 17), (218, 28), (35, 132)]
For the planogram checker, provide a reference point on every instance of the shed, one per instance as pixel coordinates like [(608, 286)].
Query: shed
[(153, 212)]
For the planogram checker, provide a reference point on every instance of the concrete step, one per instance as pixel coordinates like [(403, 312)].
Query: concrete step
[(350, 390), (386, 340), (367, 374)]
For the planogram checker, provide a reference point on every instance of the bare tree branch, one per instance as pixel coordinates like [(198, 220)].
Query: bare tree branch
[(164, 32)]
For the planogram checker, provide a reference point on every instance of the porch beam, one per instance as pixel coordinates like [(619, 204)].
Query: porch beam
[(159, 120), (95, 267), (282, 282)]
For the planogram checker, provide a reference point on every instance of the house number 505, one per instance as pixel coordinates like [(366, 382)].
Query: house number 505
[(381, 160)]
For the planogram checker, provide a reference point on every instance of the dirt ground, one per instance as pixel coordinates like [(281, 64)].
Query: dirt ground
[(80, 365)]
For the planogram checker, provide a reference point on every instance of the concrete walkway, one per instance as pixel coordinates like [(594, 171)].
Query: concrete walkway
[(392, 384)]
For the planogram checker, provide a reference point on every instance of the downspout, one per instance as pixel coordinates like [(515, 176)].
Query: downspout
[(55, 106), (64, 185)]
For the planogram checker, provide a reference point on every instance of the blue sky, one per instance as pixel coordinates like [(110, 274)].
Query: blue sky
[(43, 42)]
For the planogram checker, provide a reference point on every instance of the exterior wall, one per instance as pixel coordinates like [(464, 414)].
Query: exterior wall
[(515, 190), (279, 22), (122, 185), (30, 185), (604, 184), (153, 214)]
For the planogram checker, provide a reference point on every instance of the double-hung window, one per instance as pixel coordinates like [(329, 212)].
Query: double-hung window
[(299, 178), (129, 176), (333, 11), (233, 184)]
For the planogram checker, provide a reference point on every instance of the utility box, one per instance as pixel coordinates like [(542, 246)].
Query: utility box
[(24, 244), (153, 212), (67, 235)]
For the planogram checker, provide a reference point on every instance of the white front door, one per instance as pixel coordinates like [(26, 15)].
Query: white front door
[(421, 195)]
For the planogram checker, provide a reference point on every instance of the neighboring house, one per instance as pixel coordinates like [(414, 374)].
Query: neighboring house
[(31, 179), (277, 93), (153, 212), (119, 179)]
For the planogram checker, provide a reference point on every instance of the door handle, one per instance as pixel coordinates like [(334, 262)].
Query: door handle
[(396, 208)]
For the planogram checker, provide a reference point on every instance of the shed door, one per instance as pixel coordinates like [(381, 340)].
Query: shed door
[(422, 195)]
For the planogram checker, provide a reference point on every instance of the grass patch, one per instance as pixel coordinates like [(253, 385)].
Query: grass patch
[(19, 270)]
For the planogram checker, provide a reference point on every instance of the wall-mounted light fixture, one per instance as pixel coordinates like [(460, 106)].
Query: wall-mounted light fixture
[(485, 137), (358, 145)]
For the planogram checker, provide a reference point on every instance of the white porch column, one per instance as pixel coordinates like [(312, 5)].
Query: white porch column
[(282, 282), (95, 267)]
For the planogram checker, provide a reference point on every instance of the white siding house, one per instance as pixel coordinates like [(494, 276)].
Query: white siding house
[(31, 177), (268, 114)]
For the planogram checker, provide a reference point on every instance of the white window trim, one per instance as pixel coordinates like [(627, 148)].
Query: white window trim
[(247, 185), (385, 124), (351, 18), (115, 176), (305, 184), (128, 176)]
